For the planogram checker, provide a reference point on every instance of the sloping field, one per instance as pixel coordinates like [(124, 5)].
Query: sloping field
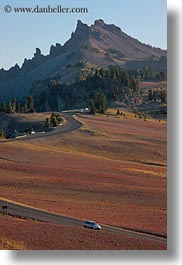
[(110, 170), (22, 234)]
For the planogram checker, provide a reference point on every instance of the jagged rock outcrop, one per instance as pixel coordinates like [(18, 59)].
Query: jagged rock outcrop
[(36, 60), (103, 37), (13, 72), (100, 44), (56, 50)]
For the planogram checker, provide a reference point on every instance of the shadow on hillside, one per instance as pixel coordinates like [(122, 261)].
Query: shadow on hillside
[(172, 253)]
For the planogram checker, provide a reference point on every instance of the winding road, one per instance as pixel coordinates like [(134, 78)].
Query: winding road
[(21, 210), (71, 124)]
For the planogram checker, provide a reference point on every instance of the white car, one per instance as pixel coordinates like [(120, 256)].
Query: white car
[(91, 225)]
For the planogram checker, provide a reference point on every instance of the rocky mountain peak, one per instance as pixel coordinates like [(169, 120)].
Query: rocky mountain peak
[(79, 37), (99, 23), (56, 50), (37, 53), (100, 44), (81, 26)]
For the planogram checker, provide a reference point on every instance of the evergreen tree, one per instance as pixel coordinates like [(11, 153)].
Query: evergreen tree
[(30, 104), (2, 134), (125, 78), (47, 122), (100, 102), (154, 95), (101, 72), (163, 96), (150, 94), (92, 107), (14, 104), (9, 108), (118, 112), (54, 121), (18, 107), (3, 106), (25, 109)]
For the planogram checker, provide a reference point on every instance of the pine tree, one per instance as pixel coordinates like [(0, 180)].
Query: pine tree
[(92, 107), (47, 122), (3, 106), (14, 104), (150, 94), (30, 104), (9, 108), (18, 107), (2, 134), (54, 121)]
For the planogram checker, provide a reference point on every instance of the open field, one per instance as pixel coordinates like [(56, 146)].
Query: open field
[(110, 170), (23, 234)]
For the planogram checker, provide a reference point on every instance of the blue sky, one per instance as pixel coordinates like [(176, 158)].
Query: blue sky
[(20, 34)]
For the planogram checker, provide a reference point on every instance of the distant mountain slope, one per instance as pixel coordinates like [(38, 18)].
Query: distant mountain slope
[(110, 37), (100, 44)]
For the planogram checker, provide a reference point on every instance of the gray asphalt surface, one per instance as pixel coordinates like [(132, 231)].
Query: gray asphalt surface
[(19, 210), (71, 125)]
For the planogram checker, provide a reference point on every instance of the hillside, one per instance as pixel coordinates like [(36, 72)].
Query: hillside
[(99, 44), (110, 38)]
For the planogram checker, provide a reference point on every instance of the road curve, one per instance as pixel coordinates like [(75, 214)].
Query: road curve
[(21, 210), (71, 125)]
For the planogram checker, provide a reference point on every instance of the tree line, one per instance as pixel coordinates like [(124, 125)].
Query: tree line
[(14, 106), (157, 95), (96, 90), (99, 87)]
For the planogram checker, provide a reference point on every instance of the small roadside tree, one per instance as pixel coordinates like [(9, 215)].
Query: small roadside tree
[(54, 121)]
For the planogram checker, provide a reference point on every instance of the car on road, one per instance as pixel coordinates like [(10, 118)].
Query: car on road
[(91, 225)]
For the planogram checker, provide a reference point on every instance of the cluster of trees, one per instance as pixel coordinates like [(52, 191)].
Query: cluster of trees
[(14, 106), (142, 74), (54, 120), (141, 116), (158, 95), (122, 113), (111, 82), (114, 83), (98, 103), (115, 72)]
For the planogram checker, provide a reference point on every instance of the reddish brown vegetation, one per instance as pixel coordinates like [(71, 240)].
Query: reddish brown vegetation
[(23, 234), (112, 171)]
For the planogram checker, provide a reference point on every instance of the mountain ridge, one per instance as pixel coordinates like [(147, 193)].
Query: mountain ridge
[(100, 44)]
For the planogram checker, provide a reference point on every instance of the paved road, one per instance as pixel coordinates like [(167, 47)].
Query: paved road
[(16, 209), (71, 125)]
